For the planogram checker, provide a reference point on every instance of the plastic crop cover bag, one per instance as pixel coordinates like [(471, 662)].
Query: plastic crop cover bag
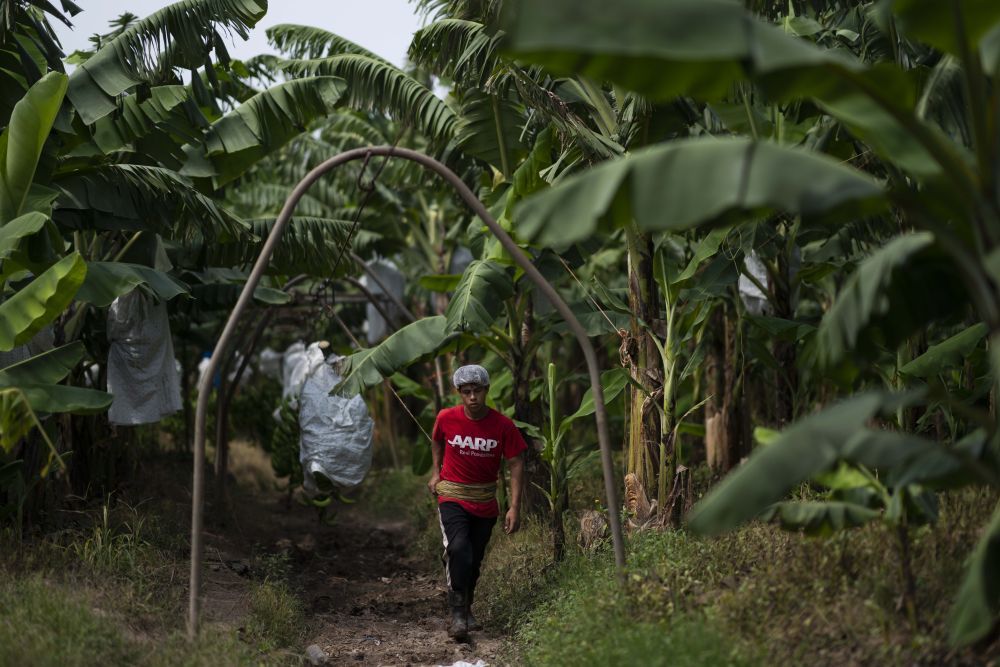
[(395, 282), (337, 431), (269, 363), (142, 375), (296, 364)]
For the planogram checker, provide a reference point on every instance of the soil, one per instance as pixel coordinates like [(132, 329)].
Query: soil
[(368, 599)]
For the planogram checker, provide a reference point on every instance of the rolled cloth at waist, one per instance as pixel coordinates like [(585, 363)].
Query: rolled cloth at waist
[(473, 493)]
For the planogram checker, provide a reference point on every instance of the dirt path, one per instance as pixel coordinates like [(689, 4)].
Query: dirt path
[(368, 600), (374, 606)]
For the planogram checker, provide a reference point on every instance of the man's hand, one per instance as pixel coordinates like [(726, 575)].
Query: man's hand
[(512, 521), (433, 482)]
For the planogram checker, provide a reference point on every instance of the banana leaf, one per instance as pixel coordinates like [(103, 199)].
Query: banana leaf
[(479, 297), (685, 183), (892, 294), (45, 368), (367, 368), (810, 446), (946, 354), (22, 141), (977, 604), (179, 35), (17, 229), (40, 302), (107, 281), (820, 517)]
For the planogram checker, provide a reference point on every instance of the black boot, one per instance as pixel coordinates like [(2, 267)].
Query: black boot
[(459, 628), (474, 624)]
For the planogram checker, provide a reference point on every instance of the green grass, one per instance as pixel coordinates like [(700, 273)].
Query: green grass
[(44, 624), (215, 646), (49, 623), (576, 613)]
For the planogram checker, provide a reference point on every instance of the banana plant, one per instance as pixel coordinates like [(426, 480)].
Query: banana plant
[(29, 389), (182, 35), (373, 83), (565, 461), (853, 495), (940, 183)]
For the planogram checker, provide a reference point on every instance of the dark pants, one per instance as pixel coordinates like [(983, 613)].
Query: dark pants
[(465, 538)]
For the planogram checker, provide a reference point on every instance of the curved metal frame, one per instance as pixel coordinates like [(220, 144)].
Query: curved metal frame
[(204, 386)]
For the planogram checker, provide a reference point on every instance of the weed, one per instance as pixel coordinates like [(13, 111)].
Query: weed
[(587, 618), (45, 624), (214, 646), (276, 618), (113, 549), (275, 567)]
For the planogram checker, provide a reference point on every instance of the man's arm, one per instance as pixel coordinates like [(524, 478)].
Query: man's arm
[(437, 456), (512, 521)]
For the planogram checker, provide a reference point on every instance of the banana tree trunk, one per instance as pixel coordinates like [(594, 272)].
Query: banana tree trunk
[(786, 375), (645, 364), (536, 473), (734, 408), (715, 387), (726, 425), (388, 420)]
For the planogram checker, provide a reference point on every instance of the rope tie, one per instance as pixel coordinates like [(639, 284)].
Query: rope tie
[(473, 493)]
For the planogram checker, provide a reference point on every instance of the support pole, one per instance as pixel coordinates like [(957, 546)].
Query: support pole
[(205, 386)]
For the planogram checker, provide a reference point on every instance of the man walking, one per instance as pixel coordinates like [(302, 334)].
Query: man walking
[(467, 444)]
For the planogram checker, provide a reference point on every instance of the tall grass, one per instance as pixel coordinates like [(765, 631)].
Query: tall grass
[(113, 548)]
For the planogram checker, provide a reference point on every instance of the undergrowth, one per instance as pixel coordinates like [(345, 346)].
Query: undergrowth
[(109, 588), (755, 596)]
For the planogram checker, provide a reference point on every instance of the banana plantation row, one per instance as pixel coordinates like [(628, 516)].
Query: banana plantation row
[(778, 221)]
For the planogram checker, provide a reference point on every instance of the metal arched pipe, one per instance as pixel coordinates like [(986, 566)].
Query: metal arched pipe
[(204, 387)]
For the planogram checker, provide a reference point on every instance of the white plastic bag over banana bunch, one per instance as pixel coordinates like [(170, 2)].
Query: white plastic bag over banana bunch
[(336, 440), (142, 374)]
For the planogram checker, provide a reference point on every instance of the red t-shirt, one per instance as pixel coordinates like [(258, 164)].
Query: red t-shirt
[(472, 451)]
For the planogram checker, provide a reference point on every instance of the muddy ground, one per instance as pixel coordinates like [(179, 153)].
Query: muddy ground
[(368, 599)]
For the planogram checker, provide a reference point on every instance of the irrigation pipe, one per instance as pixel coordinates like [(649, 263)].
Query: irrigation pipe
[(205, 385)]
